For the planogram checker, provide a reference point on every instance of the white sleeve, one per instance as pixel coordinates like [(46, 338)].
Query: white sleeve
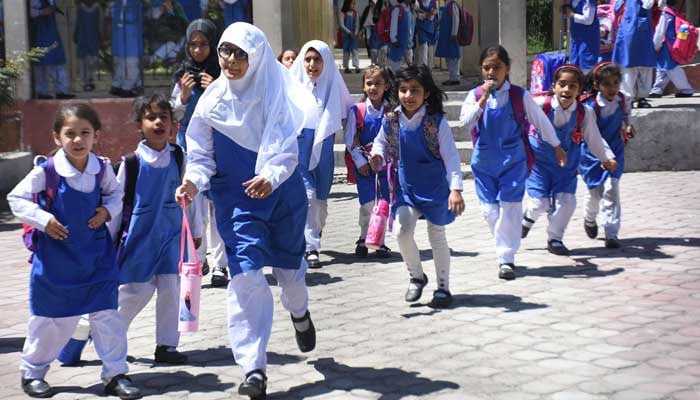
[(22, 203), (394, 26), (588, 15), (660, 33), (538, 118), (278, 154), (176, 102), (450, 156), (599, 147), (341, 23), (380, 144), (200, 155), (349, 138), (455, 19), (114, 224), (647, 4), (112, 192), (470, 112)]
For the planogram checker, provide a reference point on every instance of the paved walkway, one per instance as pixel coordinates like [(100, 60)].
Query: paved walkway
[(601, 324)]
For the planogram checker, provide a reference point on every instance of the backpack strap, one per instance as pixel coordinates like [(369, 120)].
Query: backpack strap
[(179, 159), (515, 94), (52, 180), (360, 112), (131, 163)]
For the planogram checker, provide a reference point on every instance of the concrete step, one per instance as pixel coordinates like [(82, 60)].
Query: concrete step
[(460, 133), (464, 148)]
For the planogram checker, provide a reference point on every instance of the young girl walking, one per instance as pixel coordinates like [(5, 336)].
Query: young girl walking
[(401, 32), (249, 161), (73, 268), (363, 124), (585, 33), (612, 109), (667, 69), (498, 113), (316, 70), (127, 47), (87, 40), (51, 65), (552, 188), (351, 30), (417, 144), (426, 31)]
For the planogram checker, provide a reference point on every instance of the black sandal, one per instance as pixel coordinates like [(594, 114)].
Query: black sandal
[(643, 103)]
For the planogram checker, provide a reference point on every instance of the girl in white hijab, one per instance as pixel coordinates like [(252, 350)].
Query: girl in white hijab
[(242, 142), (315, 68)]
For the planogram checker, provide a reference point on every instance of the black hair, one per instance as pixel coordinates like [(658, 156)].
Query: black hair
[(143, 103), (671, 3), (346, 6), (388, 77), (211, 64), (295, 51), (422, 75), (78, 110), (572, 69), (497, 49), (600, 72)]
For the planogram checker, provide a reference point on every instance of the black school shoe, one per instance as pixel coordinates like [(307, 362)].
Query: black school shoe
[(360, 248), (383, 252), (312, 259), (643, 103), (306, 340), (612, 243), (122, 387), (415, 288), (557, 248), (441, 299), (526, 229), (506, 271), (591, 229), (254, 385), (36, 388), (219, 277), (169, 355)]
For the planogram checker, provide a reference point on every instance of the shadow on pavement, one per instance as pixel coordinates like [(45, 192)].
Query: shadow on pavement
[(585, 269), (508, 302), (222, 356), (645, 248), (350, 258), (343, 196), (10, 226), (11, 345), (313, 278), (390, 383)]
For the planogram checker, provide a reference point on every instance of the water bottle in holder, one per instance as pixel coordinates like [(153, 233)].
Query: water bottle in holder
[(190, 281), (378, 221)]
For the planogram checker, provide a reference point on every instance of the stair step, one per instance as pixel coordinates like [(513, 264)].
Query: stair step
[(460, 133), (464, 148)]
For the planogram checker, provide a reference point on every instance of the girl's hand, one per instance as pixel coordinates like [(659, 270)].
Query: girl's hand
[(197, 242), (488, 86), (630, 132), (364, 170), (376, 162), (101, 216), (205, 79), (186, 85), (561, 155), (56, 230), (455, 202), (185, 192), (610, 165), (258, 187)]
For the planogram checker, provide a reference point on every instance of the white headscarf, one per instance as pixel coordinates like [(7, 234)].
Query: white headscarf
[(265, 110), (332, 95)]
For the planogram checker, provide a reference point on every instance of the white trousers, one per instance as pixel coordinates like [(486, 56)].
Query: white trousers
[(677, 76), (425, 55), (504, 220), (636, 82), (88, 65), (407, 58), (56, 73), (134, 296), (382, 56), (315, 221), (558, 215), (405, 226), (47, 336), (127, 73), (453, 68), (355, 58), (605, 198), (365, 215), (211, 240), (250, 311)]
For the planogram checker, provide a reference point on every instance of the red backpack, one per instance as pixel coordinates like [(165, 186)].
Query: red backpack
[(465, 30), (606, 16), (577, 134), (685, 46), (383, 26)]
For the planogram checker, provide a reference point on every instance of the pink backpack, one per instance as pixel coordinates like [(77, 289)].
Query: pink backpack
[(465, 31), (684, 48), (606, 16)]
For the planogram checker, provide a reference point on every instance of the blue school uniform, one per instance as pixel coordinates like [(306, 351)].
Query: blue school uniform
[(151, 243), (87, 24), (585, 39), (45, 34), (237, 12), (127, 29), (77, 275), (664, 62), (422, 183), (185, 121), (257, 232), (350, 43), (320, 178), (547, 178), (445, 46), (499, 161), (634, 46), (192, 9), (404, 34), (590, 167), (425, 28), (366, 185)]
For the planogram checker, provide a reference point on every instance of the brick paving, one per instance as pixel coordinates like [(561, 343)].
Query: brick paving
[(600, 324)]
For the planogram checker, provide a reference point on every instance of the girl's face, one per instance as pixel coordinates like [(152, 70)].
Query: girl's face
[(566, 88), (76, 138), (609, 87), (198, 46), (234, 61), (288, 58), (412, 95), (493, 68), (156, 126), (313, 64), (374, 87)]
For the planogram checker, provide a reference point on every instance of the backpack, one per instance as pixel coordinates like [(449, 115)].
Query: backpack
[(360, 110), (131, 163), (577, 134), (465, 31), (30, 234), (383, 26), (515, 93), (685, 46), (606, 16), (596, 108)]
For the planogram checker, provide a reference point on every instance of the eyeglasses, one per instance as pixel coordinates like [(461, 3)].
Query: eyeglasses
[(227, 51)]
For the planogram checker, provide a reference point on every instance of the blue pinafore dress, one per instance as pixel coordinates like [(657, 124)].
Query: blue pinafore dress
[(590, 167), (422, 176), (547, 178), (664, 62), (185, 121), (425, 28), (404, 35), (77, 275), (45, 34), (236, 12), (86, 24), (151, 244), (350, 43), (445, 47), (366, 185), (499, 162), (585, 39), (256, 232), (127, 29), (634, 46), (320, 178)]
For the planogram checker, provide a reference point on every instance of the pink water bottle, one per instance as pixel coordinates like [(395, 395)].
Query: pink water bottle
[(377, 225), (190, 281)]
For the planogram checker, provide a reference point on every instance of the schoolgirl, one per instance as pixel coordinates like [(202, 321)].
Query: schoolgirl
[(287, 57), (497, 112), (612, 109), (447, 45), (242, 144), (87, 40), (426, 32), (401, 32), (127, 47), (417, 144), (316, 70), (350, 26), (550, 187), (585, 33), (666, 68), (363, 124), (52, 64), (236, 11), (367, 21), (73, 268)]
